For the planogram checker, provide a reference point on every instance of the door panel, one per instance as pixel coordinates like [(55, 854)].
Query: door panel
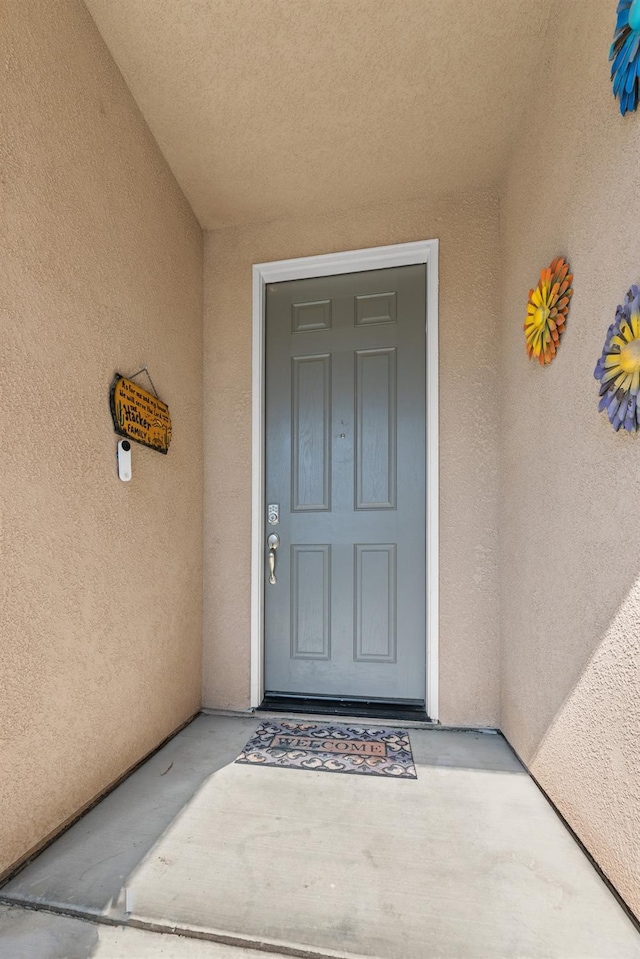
[(375, 429), (375, 603), (345, 462), (311, 432), (310, 623)]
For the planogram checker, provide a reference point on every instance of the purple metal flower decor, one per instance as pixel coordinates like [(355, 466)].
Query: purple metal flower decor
[(618, 369), (625, 69)]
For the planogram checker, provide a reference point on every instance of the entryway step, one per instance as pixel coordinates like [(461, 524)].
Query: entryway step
[(466, 861), (41, 934)]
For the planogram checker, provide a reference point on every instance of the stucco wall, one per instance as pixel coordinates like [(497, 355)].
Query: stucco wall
[(570, 534), (467, 227), (100, 581)]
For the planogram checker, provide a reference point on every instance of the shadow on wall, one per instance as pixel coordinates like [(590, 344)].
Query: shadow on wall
[(589, 756)]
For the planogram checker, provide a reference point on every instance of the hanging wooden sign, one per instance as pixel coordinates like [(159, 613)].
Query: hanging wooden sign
[(140, 415)]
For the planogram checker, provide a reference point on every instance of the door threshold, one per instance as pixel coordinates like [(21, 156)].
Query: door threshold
[(357, 708)]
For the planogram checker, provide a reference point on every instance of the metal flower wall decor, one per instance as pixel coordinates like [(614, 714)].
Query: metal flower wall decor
[(625, 69), (547, 311), (618, 369)]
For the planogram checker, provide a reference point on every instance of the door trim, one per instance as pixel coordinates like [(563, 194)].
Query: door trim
[(332, 264)]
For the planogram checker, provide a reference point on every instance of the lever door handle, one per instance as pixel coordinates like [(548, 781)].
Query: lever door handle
[(272, 542)]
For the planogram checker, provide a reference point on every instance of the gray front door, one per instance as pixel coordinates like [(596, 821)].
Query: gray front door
[(345, 468)]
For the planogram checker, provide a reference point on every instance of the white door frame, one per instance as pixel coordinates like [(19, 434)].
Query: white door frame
[(353, 261)]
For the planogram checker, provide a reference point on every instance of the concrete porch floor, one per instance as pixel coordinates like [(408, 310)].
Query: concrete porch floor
[(467, 862)]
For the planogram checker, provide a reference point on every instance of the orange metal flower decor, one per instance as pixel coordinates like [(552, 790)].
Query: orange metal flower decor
[(547, 311)]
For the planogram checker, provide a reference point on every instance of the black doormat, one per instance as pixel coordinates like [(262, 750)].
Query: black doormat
[(325, 747)]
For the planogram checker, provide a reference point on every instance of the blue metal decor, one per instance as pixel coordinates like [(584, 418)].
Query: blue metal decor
[(625, 69), (618, 369)]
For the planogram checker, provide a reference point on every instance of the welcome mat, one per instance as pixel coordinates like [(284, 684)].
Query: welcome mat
[(363, 750)]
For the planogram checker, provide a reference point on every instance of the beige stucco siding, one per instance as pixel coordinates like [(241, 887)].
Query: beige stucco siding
[(467, 227), (100, 581), (570, 534)]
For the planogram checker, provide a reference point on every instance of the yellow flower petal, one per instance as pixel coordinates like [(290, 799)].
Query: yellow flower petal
[(626, 332), (612, 360)]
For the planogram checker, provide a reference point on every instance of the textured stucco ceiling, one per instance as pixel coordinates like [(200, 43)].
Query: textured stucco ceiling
[(271, 108)]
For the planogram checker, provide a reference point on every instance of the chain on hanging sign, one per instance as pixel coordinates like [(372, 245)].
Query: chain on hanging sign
[(138, 414)]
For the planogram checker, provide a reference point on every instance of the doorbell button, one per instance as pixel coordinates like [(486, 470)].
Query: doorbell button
[(124, 460)]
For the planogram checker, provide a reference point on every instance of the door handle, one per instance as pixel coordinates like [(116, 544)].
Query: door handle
[(272, 542)]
